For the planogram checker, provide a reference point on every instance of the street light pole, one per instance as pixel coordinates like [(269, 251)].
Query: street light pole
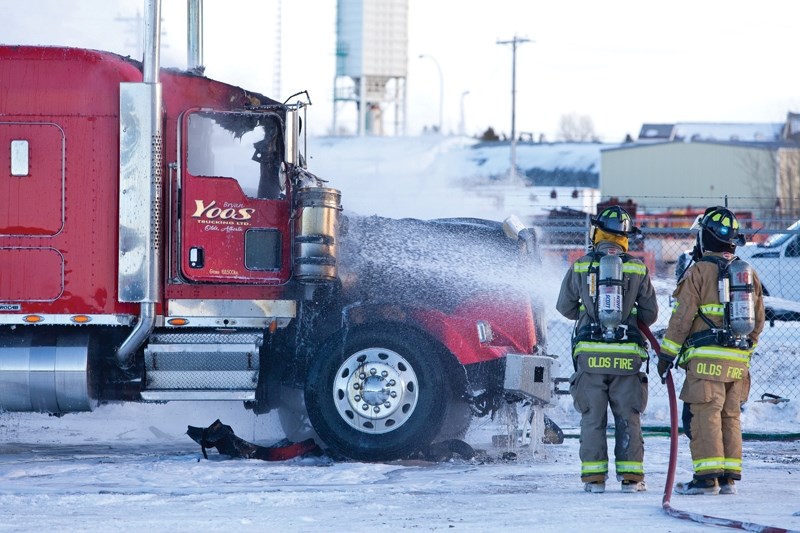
[(462, 127), (516, 41), (441, 87)]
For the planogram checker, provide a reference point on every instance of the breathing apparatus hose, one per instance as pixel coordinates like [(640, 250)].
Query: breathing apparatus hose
[(673, 459)]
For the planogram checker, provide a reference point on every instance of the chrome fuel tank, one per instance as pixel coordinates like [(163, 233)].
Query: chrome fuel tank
[(47, 377)]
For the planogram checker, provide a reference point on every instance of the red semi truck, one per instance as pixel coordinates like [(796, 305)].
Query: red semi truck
[(161, 239)]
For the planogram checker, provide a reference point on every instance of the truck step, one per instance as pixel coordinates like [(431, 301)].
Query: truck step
[(201, 366)]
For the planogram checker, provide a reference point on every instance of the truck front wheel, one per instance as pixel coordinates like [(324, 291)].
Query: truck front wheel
[(377, 393)]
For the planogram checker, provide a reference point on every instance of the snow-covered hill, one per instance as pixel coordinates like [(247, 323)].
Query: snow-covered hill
[(436, 176)]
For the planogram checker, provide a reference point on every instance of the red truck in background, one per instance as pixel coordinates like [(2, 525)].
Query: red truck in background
[(161, 240)]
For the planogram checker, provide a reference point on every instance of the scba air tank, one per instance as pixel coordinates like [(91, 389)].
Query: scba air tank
[(609, 293), (742, 302)]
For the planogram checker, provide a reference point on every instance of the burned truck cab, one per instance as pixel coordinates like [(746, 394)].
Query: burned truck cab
[(162, 240)]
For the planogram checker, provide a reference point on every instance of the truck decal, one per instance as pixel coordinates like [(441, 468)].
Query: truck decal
[(228, 212)]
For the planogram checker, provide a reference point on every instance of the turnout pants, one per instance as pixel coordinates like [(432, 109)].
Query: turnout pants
[(592, 394), (716, 443)]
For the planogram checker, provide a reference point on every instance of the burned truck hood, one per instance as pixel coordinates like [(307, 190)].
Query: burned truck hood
[(437, 263)]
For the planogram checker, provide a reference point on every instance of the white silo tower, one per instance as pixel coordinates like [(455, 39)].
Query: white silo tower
[(372, 63)]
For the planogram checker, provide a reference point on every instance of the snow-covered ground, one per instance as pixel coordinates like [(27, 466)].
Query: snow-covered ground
[(133, 467)]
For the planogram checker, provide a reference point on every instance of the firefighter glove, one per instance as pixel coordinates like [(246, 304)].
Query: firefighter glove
[(664, 364), (697, 253)]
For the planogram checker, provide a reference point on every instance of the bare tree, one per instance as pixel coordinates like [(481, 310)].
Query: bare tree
[(489, 135), (576, 128), (774, 183)]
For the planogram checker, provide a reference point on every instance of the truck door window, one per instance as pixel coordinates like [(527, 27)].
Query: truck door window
[(262, 249), (245, 147), (777, 240)]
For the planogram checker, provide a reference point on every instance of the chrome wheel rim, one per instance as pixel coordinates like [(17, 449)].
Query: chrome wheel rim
[(375, 390)]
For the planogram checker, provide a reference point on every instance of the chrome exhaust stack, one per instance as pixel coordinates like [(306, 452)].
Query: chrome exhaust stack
[(140, 175)]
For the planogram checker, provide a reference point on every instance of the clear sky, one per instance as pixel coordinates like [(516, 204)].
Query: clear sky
[(620, 62)]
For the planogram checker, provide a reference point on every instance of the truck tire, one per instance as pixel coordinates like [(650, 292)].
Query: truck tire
[(457, 420), (377, 393)]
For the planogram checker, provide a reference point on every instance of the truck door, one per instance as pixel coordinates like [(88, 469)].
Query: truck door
[(234, 207)]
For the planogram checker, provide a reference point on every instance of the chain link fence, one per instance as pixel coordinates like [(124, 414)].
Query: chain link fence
[(774, 254)]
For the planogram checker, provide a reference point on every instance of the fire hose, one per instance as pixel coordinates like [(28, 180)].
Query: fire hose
[(673, 459)]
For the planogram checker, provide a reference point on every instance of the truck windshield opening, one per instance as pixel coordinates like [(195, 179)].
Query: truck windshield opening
[(247, 147)]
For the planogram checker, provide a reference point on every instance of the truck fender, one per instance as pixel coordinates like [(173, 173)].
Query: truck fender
[(457, 334)]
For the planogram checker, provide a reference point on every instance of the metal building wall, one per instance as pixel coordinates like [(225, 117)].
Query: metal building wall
[(789, 183), (696, 174)]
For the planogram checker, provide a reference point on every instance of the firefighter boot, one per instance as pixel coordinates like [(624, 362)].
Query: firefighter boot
[(633, 486), (595, 486), (697, 486), (727, 485)]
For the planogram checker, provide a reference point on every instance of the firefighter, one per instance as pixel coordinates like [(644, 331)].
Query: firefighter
[(606, 292), (717, 316)]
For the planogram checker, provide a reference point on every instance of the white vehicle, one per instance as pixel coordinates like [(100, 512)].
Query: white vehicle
[(777, 262)]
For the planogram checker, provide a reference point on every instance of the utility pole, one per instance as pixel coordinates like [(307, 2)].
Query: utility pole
[(135, 26), (194, 36), (516, 41), (462, 127), (276, 64)]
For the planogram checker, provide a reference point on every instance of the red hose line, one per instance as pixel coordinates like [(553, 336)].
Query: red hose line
[(673, 440), (673, 460)]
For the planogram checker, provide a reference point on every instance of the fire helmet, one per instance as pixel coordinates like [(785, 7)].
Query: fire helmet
[(615, 220), (719, 230)]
